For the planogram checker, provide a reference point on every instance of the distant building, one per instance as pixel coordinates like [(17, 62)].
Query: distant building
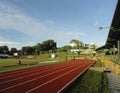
[(90, 46), (4, 55), (75, 51), (73, 44), (87, 51)]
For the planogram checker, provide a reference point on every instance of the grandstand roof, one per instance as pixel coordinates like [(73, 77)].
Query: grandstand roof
[(114, 32)]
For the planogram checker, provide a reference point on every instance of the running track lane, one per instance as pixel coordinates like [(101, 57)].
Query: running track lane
[(51, 79)]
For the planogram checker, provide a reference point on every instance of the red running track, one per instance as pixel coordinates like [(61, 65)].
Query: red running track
[(43, 79)]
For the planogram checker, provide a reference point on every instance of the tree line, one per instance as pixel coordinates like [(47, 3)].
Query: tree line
[(45, 46), (48, 46)]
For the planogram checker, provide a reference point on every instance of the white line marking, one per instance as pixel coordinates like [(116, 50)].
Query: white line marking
[(74, 79), (26, 72), (49, 61), (52, 68), (33, 79), (2, 74), (14, 71), (51, 80)]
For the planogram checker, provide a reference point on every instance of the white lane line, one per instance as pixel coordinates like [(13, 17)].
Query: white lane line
[(74, 79), (52, 80), (52, 68), (17, 71), (49, 61), (25, 72), (34, 79), (14, 72)]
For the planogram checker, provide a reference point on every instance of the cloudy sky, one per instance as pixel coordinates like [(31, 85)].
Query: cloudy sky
[(27, 22)]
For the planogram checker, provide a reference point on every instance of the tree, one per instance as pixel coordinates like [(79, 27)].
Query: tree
[(66, 48), (49, 45), (74, 41), (13, 50), (38, 48), (1, 50), (45, 46), (27, 50), (76, 44), (4, 49)]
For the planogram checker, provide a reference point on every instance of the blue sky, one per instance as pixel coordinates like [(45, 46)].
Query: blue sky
[(27, 22)]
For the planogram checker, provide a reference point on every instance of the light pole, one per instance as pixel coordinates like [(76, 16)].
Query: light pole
[(112, 28), (101, 28)]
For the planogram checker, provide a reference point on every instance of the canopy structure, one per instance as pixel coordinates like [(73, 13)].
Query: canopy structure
[(114, 32)]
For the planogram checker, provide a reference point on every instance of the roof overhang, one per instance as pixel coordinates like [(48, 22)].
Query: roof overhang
[(114, 32)]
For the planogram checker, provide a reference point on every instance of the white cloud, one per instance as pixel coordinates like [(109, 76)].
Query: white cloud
[(11, 44), (76, 33), (17, 45), (11, 18)]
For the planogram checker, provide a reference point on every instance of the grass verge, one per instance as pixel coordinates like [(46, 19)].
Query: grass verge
[(90, 82)]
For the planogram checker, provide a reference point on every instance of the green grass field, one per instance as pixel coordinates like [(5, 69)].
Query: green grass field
[(44, 59), (28, 62), (39, 62), (7, 62), (98, 64)]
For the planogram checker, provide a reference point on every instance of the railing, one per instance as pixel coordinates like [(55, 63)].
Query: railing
[(112, 65)]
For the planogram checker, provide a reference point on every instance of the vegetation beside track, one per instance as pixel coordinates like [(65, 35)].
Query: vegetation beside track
[(90, 82)]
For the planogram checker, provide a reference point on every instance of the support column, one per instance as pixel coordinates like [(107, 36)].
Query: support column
[(114, 53), (118, 44), (111, 53)]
